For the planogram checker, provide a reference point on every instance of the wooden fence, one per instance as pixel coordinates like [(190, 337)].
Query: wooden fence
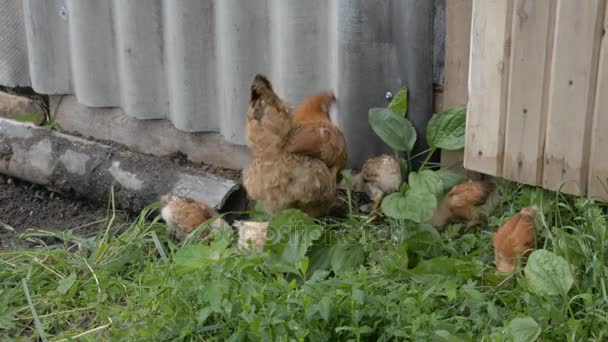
[(538, 93)]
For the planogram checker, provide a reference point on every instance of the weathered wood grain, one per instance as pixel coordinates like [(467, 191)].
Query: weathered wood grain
[(532, 37), (488, 84), (598, 158), (572, 93)]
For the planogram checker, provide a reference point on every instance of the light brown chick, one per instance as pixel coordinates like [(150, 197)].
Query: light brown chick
[(251, 234), (513, 239), (184, 215), (471, 202), (279, 178), (379, 177), (315, 135)]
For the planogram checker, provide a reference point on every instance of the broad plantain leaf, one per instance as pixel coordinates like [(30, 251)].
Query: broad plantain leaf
[(446, 129), (417, 204), (399, 103), (396, 131), (346, 255), (426, 180), (290, 234), (319, 253), (548, 273), (524, 329), (449, 179), (422, 238)]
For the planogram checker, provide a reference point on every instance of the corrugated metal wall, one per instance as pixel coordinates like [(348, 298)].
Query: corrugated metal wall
[(192, 61)]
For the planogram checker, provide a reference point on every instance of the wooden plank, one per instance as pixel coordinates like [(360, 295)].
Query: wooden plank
[(488, 81), (457, 50), (532, 38), (457, 47), (598, 161), (572, 92)]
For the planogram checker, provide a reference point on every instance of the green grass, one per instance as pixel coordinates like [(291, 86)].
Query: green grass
[(348, 279)]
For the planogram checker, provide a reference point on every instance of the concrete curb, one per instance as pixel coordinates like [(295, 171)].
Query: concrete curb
[(89, 169)]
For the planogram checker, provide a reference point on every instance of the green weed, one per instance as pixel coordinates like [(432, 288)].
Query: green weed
[(333, 279)]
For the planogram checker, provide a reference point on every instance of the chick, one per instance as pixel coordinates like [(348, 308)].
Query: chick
[(471, 202), (513, 239), (379, 176), (251, 234), (184, 215)]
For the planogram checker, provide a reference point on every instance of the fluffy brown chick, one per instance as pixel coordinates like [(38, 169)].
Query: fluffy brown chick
[(251, 234), (315, 135), (513, 239), (184, 215), (471, 202), (379, 176)]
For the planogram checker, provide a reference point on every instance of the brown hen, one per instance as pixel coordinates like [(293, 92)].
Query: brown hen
[(278, 177), (513, 239), (471, 202), (184, 215), (315, 135)]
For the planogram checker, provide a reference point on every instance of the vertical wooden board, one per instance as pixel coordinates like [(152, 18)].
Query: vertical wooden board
[(488, 80), (457, 50), (598, 159), (528, 89), (571, 93)]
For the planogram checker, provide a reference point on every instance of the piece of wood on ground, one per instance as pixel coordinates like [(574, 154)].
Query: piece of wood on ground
[(95, 171)]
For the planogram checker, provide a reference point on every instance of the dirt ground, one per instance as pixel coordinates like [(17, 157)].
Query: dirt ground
[(27, 206)]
